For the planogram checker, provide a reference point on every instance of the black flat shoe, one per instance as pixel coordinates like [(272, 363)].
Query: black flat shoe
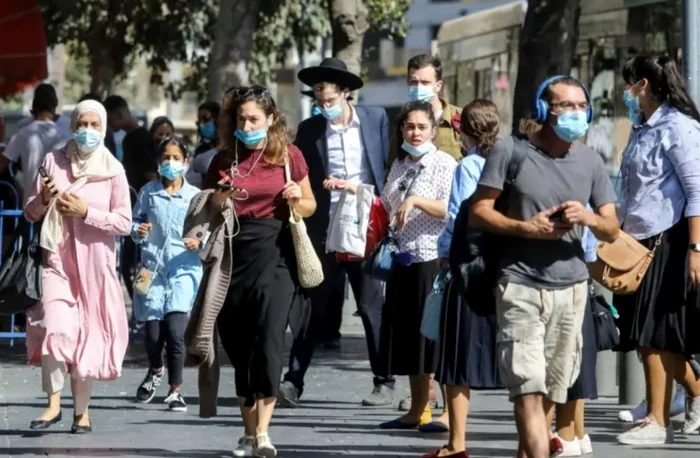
[(45, 424), (77, 429)]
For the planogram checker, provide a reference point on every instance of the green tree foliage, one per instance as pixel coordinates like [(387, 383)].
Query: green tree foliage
[(111, 34), (285, 24)]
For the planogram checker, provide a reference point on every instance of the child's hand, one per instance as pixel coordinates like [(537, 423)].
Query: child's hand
[(144, 229), (191, 244)]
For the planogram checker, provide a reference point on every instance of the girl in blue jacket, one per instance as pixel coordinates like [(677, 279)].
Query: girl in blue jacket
[(170, 271)]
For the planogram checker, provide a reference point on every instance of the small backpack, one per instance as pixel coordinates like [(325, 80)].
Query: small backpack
[(474, 255)]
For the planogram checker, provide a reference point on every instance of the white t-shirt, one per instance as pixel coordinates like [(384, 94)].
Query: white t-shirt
[(63, 124), (30, 145), (198, 168)]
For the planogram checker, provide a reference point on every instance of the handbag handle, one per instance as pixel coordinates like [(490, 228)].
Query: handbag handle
[(293, 215), (159, 257)]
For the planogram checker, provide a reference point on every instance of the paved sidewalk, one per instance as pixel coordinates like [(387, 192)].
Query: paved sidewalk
[(330, 423)]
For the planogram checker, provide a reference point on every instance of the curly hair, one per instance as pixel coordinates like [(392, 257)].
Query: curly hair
[(234, 98), (480, 121)]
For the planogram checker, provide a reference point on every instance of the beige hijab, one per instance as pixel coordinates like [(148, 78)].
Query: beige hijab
[(95, 166)]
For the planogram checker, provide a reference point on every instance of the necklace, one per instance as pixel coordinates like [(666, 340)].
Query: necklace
[(234, 166)]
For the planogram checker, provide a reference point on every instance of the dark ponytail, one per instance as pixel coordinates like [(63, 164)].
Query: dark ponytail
[(666, 82)]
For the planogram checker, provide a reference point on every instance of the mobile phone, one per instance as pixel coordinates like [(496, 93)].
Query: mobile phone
[(227, 187), (557, 217), (43, 172)]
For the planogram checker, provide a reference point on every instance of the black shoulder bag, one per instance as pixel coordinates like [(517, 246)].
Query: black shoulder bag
[(20, 274), (474, 255)]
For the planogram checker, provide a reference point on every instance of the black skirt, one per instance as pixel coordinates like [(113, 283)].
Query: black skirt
[(468, 355), (262, 292), (403, 347), (585, 386), (664, 313)]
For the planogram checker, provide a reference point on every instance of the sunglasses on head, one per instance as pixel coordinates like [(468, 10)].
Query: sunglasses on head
[(245, 91)]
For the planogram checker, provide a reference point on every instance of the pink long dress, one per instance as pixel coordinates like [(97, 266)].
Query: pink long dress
[(81, 318)]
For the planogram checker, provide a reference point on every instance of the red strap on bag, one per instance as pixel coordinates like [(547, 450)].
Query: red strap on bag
[(376, 230)]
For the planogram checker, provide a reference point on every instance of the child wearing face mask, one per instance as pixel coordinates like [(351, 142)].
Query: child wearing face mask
[(168, 278)]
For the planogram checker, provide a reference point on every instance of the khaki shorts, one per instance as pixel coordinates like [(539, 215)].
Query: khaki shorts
[(539, 341)]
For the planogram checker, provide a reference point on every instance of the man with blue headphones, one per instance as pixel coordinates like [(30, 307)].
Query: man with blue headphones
[(542, 276)]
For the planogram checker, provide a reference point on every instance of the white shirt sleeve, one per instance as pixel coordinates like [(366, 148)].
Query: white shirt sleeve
[(14, 149)]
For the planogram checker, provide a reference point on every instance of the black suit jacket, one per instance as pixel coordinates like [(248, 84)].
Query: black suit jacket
[(311, 140)]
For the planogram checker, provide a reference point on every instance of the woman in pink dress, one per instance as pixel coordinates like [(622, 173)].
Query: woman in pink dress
[(80, 326)]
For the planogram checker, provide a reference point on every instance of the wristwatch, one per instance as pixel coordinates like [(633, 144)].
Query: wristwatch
[(694, 247)]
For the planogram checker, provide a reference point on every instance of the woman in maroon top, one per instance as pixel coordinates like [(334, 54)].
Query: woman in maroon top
[(263, 283)]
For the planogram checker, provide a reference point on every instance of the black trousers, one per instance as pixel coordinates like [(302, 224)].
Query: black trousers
[(334, 311), (170, 331), (369, 296)]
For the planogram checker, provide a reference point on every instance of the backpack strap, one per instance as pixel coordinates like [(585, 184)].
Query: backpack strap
[(521, 148)]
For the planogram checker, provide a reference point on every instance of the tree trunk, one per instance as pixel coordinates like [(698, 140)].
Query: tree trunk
[(231, 49), (547, 47), (101, 71), (349, 24), (107, 48)]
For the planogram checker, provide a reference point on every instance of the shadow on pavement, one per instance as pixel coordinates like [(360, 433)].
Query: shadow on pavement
[(97, 452), (354, 348)]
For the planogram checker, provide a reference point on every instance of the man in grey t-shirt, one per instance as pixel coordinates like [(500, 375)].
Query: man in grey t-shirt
[(542, 287)]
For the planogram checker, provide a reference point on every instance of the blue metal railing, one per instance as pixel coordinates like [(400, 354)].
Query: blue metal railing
[(16, 214)]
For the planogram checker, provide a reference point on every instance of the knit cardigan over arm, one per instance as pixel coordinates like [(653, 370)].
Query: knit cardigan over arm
[(201, 339)]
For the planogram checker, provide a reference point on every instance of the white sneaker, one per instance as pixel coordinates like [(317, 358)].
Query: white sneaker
[(245, 446), (586, 446), (692, 415), (572, 448), (647, 432), (263, 446)]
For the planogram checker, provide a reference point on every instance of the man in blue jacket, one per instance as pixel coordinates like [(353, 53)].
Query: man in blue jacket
[(343, 143)]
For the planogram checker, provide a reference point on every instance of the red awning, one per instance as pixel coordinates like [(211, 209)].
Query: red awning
[(22, 46)]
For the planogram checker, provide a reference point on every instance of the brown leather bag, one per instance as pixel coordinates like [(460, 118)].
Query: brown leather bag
[(622, 264)]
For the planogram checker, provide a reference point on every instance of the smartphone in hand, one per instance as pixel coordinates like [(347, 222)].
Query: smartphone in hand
[(227, 187), (557, 217), (44, 174)]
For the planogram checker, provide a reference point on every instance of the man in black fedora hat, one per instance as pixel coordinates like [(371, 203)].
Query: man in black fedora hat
[(345, 144)]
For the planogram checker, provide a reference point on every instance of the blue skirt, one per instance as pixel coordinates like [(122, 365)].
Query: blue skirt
[(467, 346)]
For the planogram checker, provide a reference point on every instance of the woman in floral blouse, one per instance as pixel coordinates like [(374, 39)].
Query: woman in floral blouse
[(416, 195)]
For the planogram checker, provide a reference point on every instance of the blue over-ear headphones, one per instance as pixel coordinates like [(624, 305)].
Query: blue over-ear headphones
[(540, 109)]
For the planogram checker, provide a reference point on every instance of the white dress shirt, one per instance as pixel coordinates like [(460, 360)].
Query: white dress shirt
[(346, 154)]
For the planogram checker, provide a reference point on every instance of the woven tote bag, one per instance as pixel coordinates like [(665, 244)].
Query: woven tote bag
[(309, 267)]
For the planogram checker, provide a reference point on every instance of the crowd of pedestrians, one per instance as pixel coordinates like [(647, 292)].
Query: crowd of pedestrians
[(499, 236)]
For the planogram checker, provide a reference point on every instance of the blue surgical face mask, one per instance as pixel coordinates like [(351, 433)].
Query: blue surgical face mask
[(87, 139), (635, 111), (171, 169), (208, 130), (571, 125), (315, 111), (253, 137), (332, 113), (418, 151), (423, 93)]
